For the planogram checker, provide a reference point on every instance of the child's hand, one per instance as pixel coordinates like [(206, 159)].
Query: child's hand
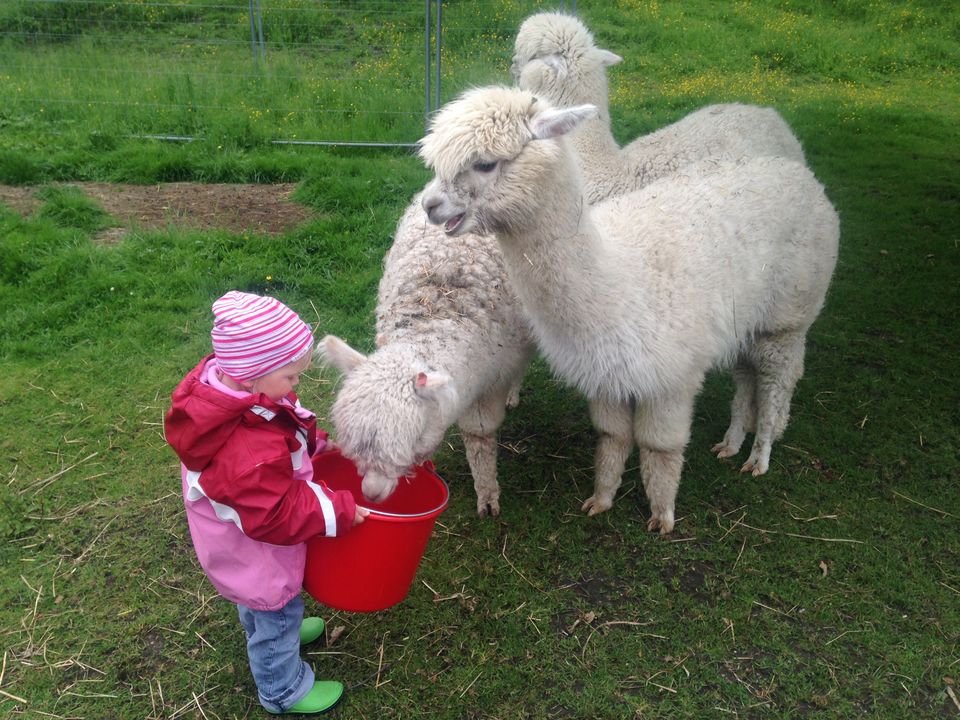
[(360, 515)]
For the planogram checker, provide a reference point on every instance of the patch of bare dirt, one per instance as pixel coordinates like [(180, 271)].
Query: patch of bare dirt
[(19, 199), (264, 209)]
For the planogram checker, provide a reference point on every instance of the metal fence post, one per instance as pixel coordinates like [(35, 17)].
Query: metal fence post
[(257, 46), (253, 33), (426, 66), (438, 40), (263, 45)]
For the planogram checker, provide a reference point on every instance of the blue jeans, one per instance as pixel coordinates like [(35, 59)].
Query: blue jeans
[(273, 648)]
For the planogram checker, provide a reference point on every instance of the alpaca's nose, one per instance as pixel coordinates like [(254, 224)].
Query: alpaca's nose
[(431, 203)]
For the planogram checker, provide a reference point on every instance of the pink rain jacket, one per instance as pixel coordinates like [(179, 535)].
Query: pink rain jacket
[(248, 487)]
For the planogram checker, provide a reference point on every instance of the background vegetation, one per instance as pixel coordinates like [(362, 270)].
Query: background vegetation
[(827, 588)]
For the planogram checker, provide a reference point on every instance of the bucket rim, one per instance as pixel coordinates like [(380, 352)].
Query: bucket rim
[(414, 516)]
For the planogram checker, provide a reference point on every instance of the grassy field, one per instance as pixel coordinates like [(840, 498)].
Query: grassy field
[(828, 588)]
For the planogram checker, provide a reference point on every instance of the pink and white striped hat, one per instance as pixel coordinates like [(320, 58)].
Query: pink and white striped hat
[(254, 335)]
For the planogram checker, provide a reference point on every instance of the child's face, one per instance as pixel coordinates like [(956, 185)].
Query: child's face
[(278, 384)]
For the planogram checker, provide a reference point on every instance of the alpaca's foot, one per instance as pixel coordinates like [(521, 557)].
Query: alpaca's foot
[(730, 445), (759, 461), (513, 397), (597, 503), (723, 450), (662, 521), (488, 504)]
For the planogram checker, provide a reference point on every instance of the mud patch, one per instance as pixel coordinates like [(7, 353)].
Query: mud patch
[(694, 580), (263, 209)]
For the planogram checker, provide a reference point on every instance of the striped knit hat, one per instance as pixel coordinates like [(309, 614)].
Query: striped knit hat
[(254, 335)]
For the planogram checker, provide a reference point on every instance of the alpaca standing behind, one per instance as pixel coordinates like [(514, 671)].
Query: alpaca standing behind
[(633, 300), (556, 58), (452, 347)]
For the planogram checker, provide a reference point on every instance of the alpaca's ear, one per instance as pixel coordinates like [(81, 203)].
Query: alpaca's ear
[(555, 122), (427, 384), (608, 58), (336, 352)]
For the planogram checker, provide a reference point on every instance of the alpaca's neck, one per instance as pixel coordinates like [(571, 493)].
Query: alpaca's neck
[(596, 135), (605, 170), (558, 257), (583, 296)]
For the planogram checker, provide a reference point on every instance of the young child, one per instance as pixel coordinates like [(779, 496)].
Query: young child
[(245, 445)]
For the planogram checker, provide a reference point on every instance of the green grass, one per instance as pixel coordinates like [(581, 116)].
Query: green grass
[(827, 588)]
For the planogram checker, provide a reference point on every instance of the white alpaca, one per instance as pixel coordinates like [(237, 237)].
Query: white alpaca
[(556, 59), (452, 347), (633, 300)]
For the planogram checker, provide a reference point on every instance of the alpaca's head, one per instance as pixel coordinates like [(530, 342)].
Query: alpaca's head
[(495, 152), (390, 414), (555, 56), (483, 125), (551, 33)]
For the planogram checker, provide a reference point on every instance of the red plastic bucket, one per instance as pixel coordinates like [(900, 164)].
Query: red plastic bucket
[(372, 566)]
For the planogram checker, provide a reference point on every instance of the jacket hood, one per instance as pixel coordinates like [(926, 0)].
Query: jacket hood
[(202, 418)]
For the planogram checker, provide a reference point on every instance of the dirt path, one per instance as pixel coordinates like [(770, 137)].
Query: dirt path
[(255, 208)]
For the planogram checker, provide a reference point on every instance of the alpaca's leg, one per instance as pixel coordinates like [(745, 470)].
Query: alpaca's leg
[(662, 430), (513, 396), (779, 363), (743, 410), (479, 426), (482, 457), (613, 422)]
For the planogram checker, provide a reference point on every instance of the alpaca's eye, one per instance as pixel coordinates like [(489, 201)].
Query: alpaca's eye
[(485, 167)]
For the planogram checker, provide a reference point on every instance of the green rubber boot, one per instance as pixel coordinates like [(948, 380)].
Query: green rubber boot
[(322, 696), (311, 629)]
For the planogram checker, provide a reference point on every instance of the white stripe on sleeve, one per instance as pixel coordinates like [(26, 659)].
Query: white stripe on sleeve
[(326, 505)]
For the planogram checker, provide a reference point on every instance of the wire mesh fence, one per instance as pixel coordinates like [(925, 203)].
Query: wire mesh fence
[(363, 72)]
